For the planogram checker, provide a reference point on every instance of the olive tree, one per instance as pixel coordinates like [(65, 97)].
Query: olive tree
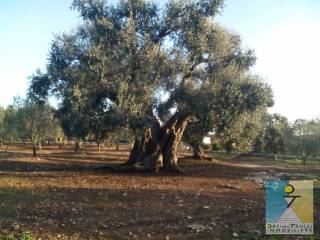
[(306, 138), (34, 121), (126, 56)]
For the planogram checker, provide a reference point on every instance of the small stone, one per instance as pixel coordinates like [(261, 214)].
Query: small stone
[(198, 227)]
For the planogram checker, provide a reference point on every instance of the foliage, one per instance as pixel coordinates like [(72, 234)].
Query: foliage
[(10, 123), (112, 72), (275, 133), (131, 64), (241, 132), (34, 120), (272, 135), (301, 138), (28, 120), (305, 140), (22, 236)]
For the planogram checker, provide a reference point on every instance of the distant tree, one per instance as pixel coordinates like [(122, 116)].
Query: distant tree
[(306, 138), (34, 121), (10, 124), (275, 133), (103, 122), (74, 121), (59, 135), (240, 133)]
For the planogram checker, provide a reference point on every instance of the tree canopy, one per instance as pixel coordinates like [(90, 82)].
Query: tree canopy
[(134, 65)]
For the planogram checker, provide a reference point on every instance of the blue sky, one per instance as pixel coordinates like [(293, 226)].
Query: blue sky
[(26, 31), (284, 33)]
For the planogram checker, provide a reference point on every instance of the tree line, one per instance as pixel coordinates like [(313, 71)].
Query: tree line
[(29, 122), (259, 132), (272, 134)]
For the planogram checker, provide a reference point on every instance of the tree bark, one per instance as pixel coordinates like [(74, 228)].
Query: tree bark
[(7, 145), (40, 145), (34, 150), (304, 158), (157, 148), (77, 146), (198, 152)]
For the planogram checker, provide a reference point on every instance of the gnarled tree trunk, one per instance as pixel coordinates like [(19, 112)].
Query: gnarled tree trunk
[(77, 146), (157, 148), (198, 152), (34, 150), (98, 141)]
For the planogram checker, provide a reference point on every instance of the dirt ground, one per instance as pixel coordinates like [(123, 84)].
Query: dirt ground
[(64, 195)]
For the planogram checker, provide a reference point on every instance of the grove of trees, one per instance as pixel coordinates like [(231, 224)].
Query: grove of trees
[(163, 75)]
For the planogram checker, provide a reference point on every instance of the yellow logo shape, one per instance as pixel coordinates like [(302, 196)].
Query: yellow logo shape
[(289, 188)]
